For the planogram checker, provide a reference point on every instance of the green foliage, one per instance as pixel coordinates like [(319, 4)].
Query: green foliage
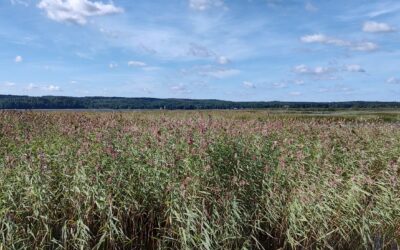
[(65, 102), (198, 180)]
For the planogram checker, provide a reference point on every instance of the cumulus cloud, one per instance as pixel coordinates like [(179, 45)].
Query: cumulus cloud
[(113, 65), (393, 80), (51, 88), (223, 60), (76, 11), (365, 46), (202, 5), (249, 85), (18, 59), (137, 64), (375, 27), (323, 39), (9, 84), (319, 70), (354, 68), (48, 88), (180, 88)]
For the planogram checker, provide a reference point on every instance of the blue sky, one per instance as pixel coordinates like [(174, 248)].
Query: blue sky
[(242, 50)]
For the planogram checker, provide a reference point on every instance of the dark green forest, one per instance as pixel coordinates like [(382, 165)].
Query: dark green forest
[(63, 102)]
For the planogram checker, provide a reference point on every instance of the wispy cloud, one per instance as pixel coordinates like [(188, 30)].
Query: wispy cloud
[(22, 2), (47, 88), (137, 64), (310, 7), (220, 72), (295, 93), (180, 88), (319, 70), (375, 27), (354, 68), (202, 5), (200, 51), (249, 85), (393, 80), (9, 84), (112, 65), (323, 39), (385, 9), (223, 60), (51, 88)]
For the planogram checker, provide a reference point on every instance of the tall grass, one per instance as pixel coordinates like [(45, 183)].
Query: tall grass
[(197, 180)]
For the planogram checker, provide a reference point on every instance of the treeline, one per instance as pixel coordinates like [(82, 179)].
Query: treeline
[(62, 102)]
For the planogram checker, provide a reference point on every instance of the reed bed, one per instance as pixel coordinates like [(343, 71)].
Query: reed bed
[(198, 180)]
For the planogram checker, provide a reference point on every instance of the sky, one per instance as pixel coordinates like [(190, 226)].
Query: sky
[(240, 50)]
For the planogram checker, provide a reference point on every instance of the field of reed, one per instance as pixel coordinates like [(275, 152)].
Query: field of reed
[(199, 180)]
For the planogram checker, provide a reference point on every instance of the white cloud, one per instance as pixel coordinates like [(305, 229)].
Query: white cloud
[(22, 2), (354, 68), (223, 60), (221, 73), (393, 80), (9, 84), (298, 82), (295, 93), (113, 65), (200, 51), (147, 90), (180, 88), (336, 89), (375, 27), (205, 4), (303, 69), (76, 11), (18, 59), (137, 64), (310, 7), (214, 71), (320, 38), (51, 88), (249, 85), (31, 86), (279, 85), (365, 46), (151, 68)]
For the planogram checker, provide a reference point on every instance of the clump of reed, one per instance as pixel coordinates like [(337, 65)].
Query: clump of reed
[(197, 180)]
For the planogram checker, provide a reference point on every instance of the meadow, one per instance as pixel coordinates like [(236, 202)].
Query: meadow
[(199, 180)]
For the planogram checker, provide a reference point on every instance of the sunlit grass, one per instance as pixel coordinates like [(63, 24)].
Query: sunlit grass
[(198, 180)]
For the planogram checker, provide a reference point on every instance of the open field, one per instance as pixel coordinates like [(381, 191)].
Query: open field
[(200, 180)]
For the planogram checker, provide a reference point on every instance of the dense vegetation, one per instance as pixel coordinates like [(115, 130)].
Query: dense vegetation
[(60, 102), (198, 180)]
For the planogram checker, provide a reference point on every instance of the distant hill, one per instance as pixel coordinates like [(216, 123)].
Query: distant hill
[(64, 102)]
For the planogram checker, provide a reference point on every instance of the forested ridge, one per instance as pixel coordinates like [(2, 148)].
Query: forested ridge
[(64, 102)]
